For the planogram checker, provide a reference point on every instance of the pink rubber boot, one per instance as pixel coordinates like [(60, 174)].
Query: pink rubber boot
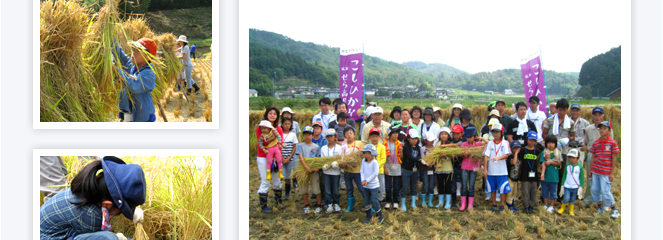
[(462, 203), (470, 204)]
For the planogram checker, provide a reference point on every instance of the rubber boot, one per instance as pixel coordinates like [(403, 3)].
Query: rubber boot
[(470, 204), (440, 199), (369, 215), (430, 200), (448, 204), (263, 203), (195, 86), (561, 210), (188, 90), (403, 208), (571, 210), (462, 203), (380, 218), (423, 200), (287, 191), (277, 196), (280, 174), (414, 201), (351, 205), (269, 175)]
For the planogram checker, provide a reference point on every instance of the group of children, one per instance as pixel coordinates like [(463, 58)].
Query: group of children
[(398, 160)]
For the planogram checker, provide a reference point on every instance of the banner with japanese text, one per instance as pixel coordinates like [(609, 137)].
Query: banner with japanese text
[(533, 79), (351, 78)]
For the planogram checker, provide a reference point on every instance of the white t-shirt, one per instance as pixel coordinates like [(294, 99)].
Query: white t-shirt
[(325, 151), (289, 140), (369, 172), (497, 168), (572, 176), (537, 118)]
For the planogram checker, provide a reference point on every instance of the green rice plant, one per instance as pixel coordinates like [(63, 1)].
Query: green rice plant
[(266, 102), (290, 102), (309, 103)]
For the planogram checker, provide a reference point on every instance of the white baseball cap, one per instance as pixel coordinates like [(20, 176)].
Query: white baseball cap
[(430, 136), (286, 109), (413, 133), (376, 110)]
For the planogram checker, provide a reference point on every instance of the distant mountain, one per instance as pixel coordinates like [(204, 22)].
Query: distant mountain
[(601, 74), (378, 72), (575, 74), (497, 81), (436, 69)]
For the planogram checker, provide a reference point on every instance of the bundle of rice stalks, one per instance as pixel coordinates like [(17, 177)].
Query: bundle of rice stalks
[(63, 97), (433, 158), (352, 160), (166, 44)]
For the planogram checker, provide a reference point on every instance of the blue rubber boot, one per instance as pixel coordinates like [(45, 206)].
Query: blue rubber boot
[(278, 197), (403, 208), (351, 205), (287, 191), (423, 200), (414, 201), (263, 203), (369, 215), (380, 218), (430, 200), (448, 204), (440, 199)]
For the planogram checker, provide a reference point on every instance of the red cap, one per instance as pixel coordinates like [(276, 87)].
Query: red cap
[(374, 130), (147, 44), (457, 129)]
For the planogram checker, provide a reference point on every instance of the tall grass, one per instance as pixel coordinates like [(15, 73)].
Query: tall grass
[(179, 197)]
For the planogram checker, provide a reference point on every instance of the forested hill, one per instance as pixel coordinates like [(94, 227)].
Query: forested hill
[(438, 70), (601, 74), (497, 81), (378, 72)]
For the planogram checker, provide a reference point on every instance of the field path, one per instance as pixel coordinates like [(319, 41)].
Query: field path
[(202, 74)]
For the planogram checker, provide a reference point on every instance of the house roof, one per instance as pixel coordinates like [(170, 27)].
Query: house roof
[(251, 90), (614, 91)]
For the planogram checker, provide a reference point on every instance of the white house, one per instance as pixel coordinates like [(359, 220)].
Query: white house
[(253, 93), (508, 91)]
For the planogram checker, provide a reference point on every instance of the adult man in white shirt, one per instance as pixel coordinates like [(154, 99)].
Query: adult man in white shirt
[(536, 116), (324, 116)]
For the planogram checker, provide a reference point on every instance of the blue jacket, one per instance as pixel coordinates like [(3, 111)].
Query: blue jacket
[(140, 88), (60, 219)]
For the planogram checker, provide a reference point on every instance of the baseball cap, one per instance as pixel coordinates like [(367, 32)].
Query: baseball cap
[(369, 110), (532, 135), (598, 109), (317, 123), (605, 123), (515, 144), (376, 110), (534, 99), (374, 130), (330, 132), (413, 133), (575, 105), (573, 153), (430, 136), (496, 127), (445, 129), (500, 101), (146, 44), (494, 112), (308, 129), (493, 121), (470, 132), (457, 128)]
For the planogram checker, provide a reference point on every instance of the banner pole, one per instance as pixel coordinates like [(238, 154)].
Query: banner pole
[(544, 77), (363, 79)]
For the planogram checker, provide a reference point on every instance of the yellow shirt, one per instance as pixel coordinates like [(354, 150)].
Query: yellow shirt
[(382, 156)]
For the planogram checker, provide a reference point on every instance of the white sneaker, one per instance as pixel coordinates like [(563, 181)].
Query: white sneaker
[(330, 209), (318, 209), (435, 191), (497, 199), (307, 210), (551, 209), (337, 208), (487, 198), (395, 205), (387, 206), (615, 214)]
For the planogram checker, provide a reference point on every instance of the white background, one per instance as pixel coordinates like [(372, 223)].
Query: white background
[(18, 138)]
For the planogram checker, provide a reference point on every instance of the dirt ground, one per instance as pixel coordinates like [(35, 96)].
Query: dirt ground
[(192, 111), (290, 222)]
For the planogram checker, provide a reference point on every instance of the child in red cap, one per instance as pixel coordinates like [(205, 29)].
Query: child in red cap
[(138, 79)]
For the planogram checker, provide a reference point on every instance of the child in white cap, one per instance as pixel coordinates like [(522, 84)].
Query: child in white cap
[(572, 180), (369, 181), (271, 143)]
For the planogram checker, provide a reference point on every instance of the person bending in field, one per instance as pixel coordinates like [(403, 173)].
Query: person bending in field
[(271, 143), (604, 159), (138, 80), (102, 189), (495, 170)]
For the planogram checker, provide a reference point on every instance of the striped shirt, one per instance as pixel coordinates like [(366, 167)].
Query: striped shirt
[(289, 141), (602, 151)]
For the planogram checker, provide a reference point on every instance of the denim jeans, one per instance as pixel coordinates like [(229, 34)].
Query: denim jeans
[(601, 190), (371, 199), (570, 195), (289, 168), (392, 188), (549, 190), (331, 188), (469, 178), (349, 187), (428, 183), (457, 178), (409, 182), (588, 184), (101, 235)]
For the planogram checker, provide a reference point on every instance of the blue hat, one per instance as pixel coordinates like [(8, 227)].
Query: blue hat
[(307, 129), (532, 135), (370, 148), (126, 184), (598, 109), (515, 144), (605, 123), (575, 105), (470, 132)]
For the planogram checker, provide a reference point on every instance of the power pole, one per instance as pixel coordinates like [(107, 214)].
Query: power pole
[(274, 85)]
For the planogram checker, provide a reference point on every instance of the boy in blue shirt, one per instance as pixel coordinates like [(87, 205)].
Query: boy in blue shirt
[(138, 79)]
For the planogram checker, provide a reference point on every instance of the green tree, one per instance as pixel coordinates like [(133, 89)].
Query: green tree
[(260, 82)]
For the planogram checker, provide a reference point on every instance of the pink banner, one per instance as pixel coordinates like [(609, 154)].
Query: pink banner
[(351, 79), (533, 81)]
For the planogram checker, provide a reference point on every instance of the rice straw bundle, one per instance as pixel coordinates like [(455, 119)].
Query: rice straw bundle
[(171, 68), (140, 233), (352, 160), (433, 158)]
